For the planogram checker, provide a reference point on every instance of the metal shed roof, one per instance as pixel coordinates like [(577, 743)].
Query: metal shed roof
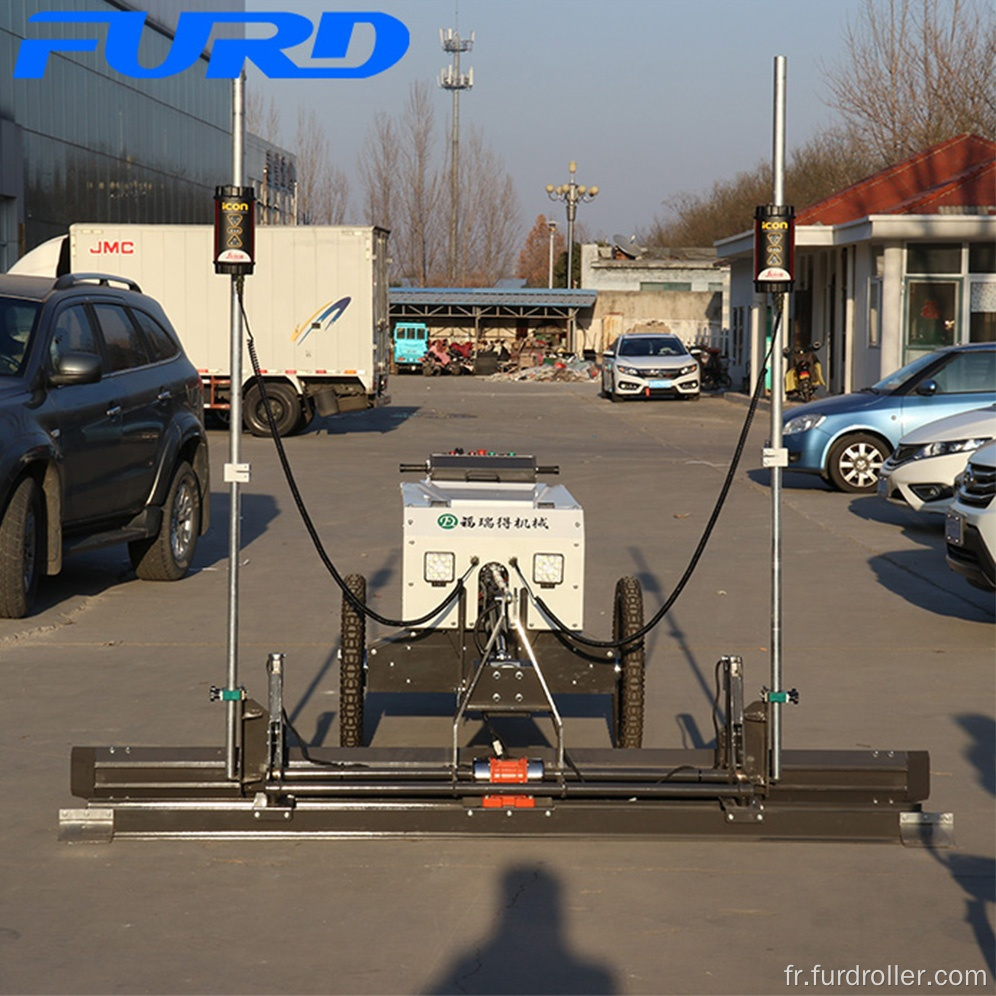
[(494, 296), (476, 303)]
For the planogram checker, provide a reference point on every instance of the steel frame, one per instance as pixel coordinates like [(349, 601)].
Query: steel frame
[(295, 792)]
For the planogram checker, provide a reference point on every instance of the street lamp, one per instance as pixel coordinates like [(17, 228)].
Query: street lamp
[(552, 226), (570, 193)]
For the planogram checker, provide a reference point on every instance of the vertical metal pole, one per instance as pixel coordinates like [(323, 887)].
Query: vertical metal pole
[(233, 706), (552, 226), (455, 172), (781, 302), (572, 206)]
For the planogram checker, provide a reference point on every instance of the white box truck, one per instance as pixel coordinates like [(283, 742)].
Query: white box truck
[(316, 304)]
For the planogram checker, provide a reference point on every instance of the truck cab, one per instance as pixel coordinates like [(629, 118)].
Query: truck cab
[(411, 340)]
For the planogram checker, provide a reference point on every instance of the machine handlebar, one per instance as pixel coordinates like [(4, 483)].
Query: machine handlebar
[(470, 466)]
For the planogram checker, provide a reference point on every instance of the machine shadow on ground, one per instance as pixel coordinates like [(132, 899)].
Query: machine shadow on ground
[(527, 950), (976, 874)]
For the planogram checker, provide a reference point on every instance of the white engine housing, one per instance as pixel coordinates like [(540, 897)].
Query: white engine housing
[(497, 522)]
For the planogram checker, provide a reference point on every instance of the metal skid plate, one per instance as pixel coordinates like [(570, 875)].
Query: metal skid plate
[(414, 792)]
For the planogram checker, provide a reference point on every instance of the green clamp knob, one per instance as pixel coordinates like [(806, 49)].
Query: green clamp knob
[(790, 696), (227, 694)]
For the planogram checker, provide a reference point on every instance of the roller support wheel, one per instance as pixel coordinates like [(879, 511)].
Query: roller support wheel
[(351, 676), (627, 618)]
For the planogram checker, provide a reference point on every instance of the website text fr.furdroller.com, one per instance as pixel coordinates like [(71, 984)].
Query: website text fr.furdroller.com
[(891, 975)]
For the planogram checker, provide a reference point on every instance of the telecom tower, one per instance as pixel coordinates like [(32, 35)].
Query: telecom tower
[(450, 78)]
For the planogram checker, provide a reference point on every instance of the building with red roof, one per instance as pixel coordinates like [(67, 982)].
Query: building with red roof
[(899, 263)]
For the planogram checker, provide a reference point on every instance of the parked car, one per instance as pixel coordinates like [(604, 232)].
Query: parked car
[(922, 469), (101, 417), (649, 365), (970, 527), (846, 438)]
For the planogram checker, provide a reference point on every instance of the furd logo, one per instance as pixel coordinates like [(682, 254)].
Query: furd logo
[(228, 55)]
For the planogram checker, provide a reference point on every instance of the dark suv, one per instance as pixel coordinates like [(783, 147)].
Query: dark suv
[(101, 432)]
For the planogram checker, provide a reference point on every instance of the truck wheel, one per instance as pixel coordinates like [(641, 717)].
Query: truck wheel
[(21, 551), (167, 555), (351, 677), (627, 618), (307, 414), (284, 403)]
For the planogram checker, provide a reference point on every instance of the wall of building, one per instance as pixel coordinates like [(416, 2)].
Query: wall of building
[(696, 317), (85, 143), (655, 293)]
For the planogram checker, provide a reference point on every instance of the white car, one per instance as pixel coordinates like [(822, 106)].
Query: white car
[(970, 527), (922, 469), (649, 365)]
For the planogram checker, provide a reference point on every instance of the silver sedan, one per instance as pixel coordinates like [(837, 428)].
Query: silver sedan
[(649, 365)]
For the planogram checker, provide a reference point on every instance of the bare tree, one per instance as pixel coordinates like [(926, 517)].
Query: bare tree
[(828, 162), (404, 190), (491, 215), (262, 116), (917, 72), (379, 171), (322, 188), (420, 243)]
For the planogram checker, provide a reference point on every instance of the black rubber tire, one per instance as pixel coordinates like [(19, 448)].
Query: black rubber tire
[(627, 618), (22, 548), (351, 676), (308, 413), (167, 556), (854, 463), (284, 403)]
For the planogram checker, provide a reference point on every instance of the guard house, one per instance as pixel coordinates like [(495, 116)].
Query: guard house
[(898, 264), (497, 313)]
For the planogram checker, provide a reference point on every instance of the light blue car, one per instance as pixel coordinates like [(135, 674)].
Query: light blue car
[(846, 438)]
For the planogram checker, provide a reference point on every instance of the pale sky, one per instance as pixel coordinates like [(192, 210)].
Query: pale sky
[(651, 97)]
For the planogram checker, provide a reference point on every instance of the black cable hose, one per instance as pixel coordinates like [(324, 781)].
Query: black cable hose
[(699, 550), (458, 588), (356, 603)]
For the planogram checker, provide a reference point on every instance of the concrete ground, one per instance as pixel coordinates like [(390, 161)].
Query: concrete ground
[(887, 647)]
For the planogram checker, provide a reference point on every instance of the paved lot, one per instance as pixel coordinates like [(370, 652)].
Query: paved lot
[(888, 648)]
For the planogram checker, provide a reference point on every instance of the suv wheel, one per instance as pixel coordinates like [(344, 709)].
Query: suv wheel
[(21, 551), (168, 555)]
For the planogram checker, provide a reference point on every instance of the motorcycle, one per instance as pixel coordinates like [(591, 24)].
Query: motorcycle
[(804, 374), (713, 373)]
